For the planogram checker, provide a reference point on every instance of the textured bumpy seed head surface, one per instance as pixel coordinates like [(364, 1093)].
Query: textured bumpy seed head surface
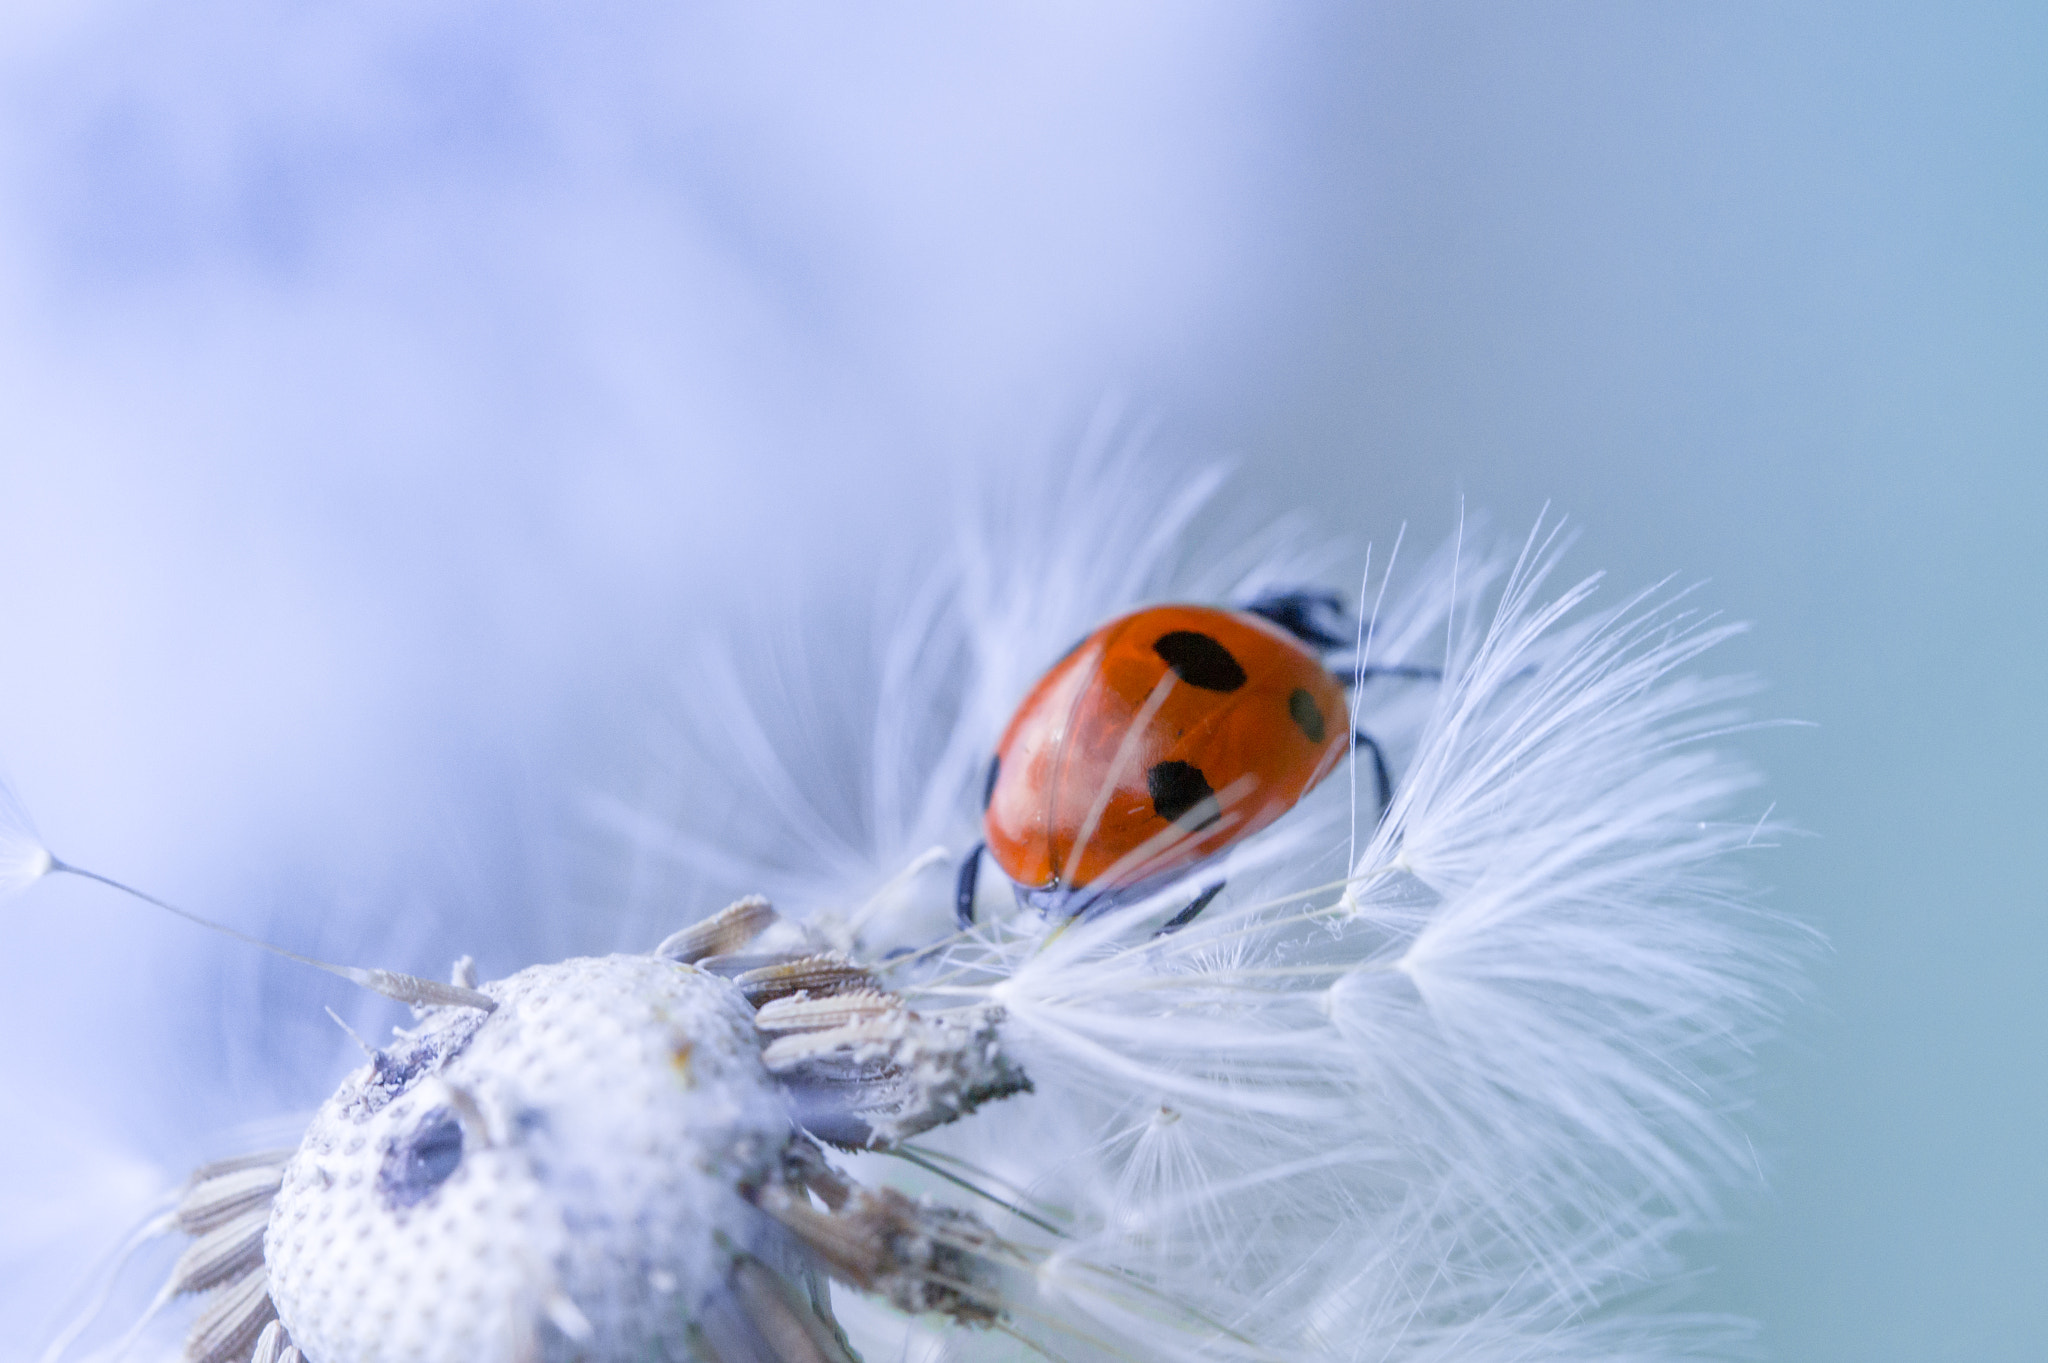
[(555, 1180)]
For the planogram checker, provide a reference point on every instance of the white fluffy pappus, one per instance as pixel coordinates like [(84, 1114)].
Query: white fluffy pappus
[(1445, 1085)]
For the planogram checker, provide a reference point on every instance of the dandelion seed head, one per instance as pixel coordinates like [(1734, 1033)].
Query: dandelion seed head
[(488, 1182)]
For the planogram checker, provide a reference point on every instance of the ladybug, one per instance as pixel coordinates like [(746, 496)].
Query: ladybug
[(1158, 741)]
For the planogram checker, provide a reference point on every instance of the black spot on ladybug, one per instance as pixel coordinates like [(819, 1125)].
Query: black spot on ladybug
[(988, 787), (419, 1163), (1301, 707), (1200, 661), (1177, 788)]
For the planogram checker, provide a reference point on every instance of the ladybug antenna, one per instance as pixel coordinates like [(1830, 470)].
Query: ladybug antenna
[(24, 860), (1311, 614)]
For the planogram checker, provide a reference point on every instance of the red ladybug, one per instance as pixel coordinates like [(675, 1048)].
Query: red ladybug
[(1159, 740)]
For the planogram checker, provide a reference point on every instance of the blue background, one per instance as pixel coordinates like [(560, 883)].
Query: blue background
[(388, 388)]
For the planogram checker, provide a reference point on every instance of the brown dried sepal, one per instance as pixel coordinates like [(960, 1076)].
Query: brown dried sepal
[(919, 1257), (723, 933), (865, 1071), (225, 1209), (818, 976), (796, 1014)]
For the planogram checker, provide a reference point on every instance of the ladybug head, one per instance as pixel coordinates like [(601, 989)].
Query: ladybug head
[(1311, 614)]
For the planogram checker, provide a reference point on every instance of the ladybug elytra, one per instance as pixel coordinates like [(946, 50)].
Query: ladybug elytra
[(1158, 741)]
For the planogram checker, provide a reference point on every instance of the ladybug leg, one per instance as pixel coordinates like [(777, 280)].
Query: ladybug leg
[(1189, 914), (1408, 672), (1405, 671), (963, 889), (1382, 783)]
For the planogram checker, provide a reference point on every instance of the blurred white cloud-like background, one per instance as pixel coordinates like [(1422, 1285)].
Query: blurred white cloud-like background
[(391, 391)]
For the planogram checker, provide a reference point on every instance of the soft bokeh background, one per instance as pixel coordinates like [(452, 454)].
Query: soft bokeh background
[(387, 388)]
